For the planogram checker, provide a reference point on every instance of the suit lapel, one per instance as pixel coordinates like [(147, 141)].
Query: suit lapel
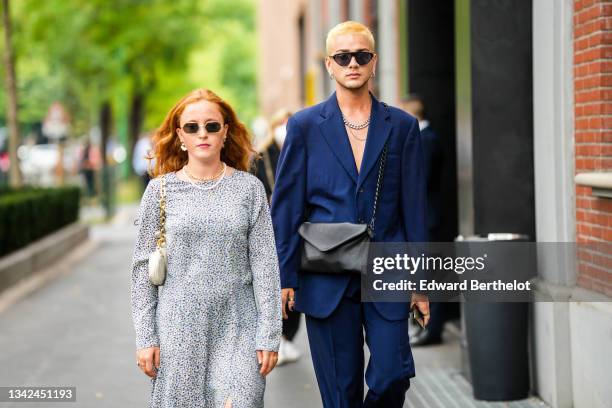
[(332, 129), (378, 133)]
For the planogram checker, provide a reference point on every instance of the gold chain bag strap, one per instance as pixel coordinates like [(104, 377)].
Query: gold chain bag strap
[(158, 261)]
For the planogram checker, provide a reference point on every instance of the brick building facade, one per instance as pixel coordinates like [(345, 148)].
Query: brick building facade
[(593, 136)]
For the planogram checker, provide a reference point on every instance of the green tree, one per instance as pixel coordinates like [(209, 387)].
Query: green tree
[(104, 47), (11, 84), (121, 64)]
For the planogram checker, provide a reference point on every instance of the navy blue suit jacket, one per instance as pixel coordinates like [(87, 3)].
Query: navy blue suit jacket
[(317, 177)]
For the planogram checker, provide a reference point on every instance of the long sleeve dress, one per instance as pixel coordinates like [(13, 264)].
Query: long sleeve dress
[(221, 298)]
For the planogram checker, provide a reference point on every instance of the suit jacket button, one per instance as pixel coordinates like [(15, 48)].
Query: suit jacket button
[(361, 190), (361, 221)]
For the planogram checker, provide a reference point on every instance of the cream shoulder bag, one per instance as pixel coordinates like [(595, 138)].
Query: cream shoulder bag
[(158, 259)]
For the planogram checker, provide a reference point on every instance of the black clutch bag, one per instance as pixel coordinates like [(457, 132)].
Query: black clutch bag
[(335, 248)]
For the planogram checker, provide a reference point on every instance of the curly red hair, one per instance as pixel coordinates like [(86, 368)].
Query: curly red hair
[(167, 153)]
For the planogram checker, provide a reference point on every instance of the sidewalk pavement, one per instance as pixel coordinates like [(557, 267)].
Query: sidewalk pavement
[(77, 331)]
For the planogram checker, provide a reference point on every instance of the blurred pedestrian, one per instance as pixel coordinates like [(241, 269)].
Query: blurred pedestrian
[(433, 155), (4, 167), (140, 159), (211, 335), (260, 128), (266, 172), (327, 174), (90, 162)]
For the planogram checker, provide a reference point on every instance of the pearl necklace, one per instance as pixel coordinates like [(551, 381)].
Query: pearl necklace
[(205, 178), (209, 187)]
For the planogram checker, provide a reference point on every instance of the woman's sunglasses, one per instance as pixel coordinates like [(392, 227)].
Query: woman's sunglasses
[(344, 58), (210, 127)]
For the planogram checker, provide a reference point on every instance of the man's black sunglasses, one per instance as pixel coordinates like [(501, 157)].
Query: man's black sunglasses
[(344, 58), (193, 127)]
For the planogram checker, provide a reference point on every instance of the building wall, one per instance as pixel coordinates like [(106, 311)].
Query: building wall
[(591, 322), (278, 81), (593, 133), (553, 104), (591, 355)]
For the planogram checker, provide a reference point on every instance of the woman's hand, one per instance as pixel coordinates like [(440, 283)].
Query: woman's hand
[(288, 298), (267, 360), (148, 360)]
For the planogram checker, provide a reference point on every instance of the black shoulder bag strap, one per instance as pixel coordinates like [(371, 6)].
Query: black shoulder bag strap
[(381, 171)]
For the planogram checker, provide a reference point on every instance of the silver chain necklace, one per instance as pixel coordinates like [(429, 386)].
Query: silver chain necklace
[(356, 126)]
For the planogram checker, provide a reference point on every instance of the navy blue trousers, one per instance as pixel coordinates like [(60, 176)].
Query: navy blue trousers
[(336, 345)]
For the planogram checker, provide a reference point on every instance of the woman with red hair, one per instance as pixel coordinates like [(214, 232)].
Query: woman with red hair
[(210, 335)]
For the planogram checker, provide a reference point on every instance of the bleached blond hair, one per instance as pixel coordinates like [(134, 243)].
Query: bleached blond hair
[(348, 27)]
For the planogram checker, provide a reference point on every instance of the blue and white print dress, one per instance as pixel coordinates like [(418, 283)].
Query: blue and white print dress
[(221, 298)]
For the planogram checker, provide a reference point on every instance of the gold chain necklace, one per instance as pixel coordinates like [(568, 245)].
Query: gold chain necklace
[(191, 176), (355, 136)]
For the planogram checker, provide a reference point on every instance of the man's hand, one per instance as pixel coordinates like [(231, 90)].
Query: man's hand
[(421, 302), (288, 298), (148, 360)]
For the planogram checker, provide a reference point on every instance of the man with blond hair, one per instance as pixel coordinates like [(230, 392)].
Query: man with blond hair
[(327, 173)]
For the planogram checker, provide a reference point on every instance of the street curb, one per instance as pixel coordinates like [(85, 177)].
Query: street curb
[(40, 254)]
